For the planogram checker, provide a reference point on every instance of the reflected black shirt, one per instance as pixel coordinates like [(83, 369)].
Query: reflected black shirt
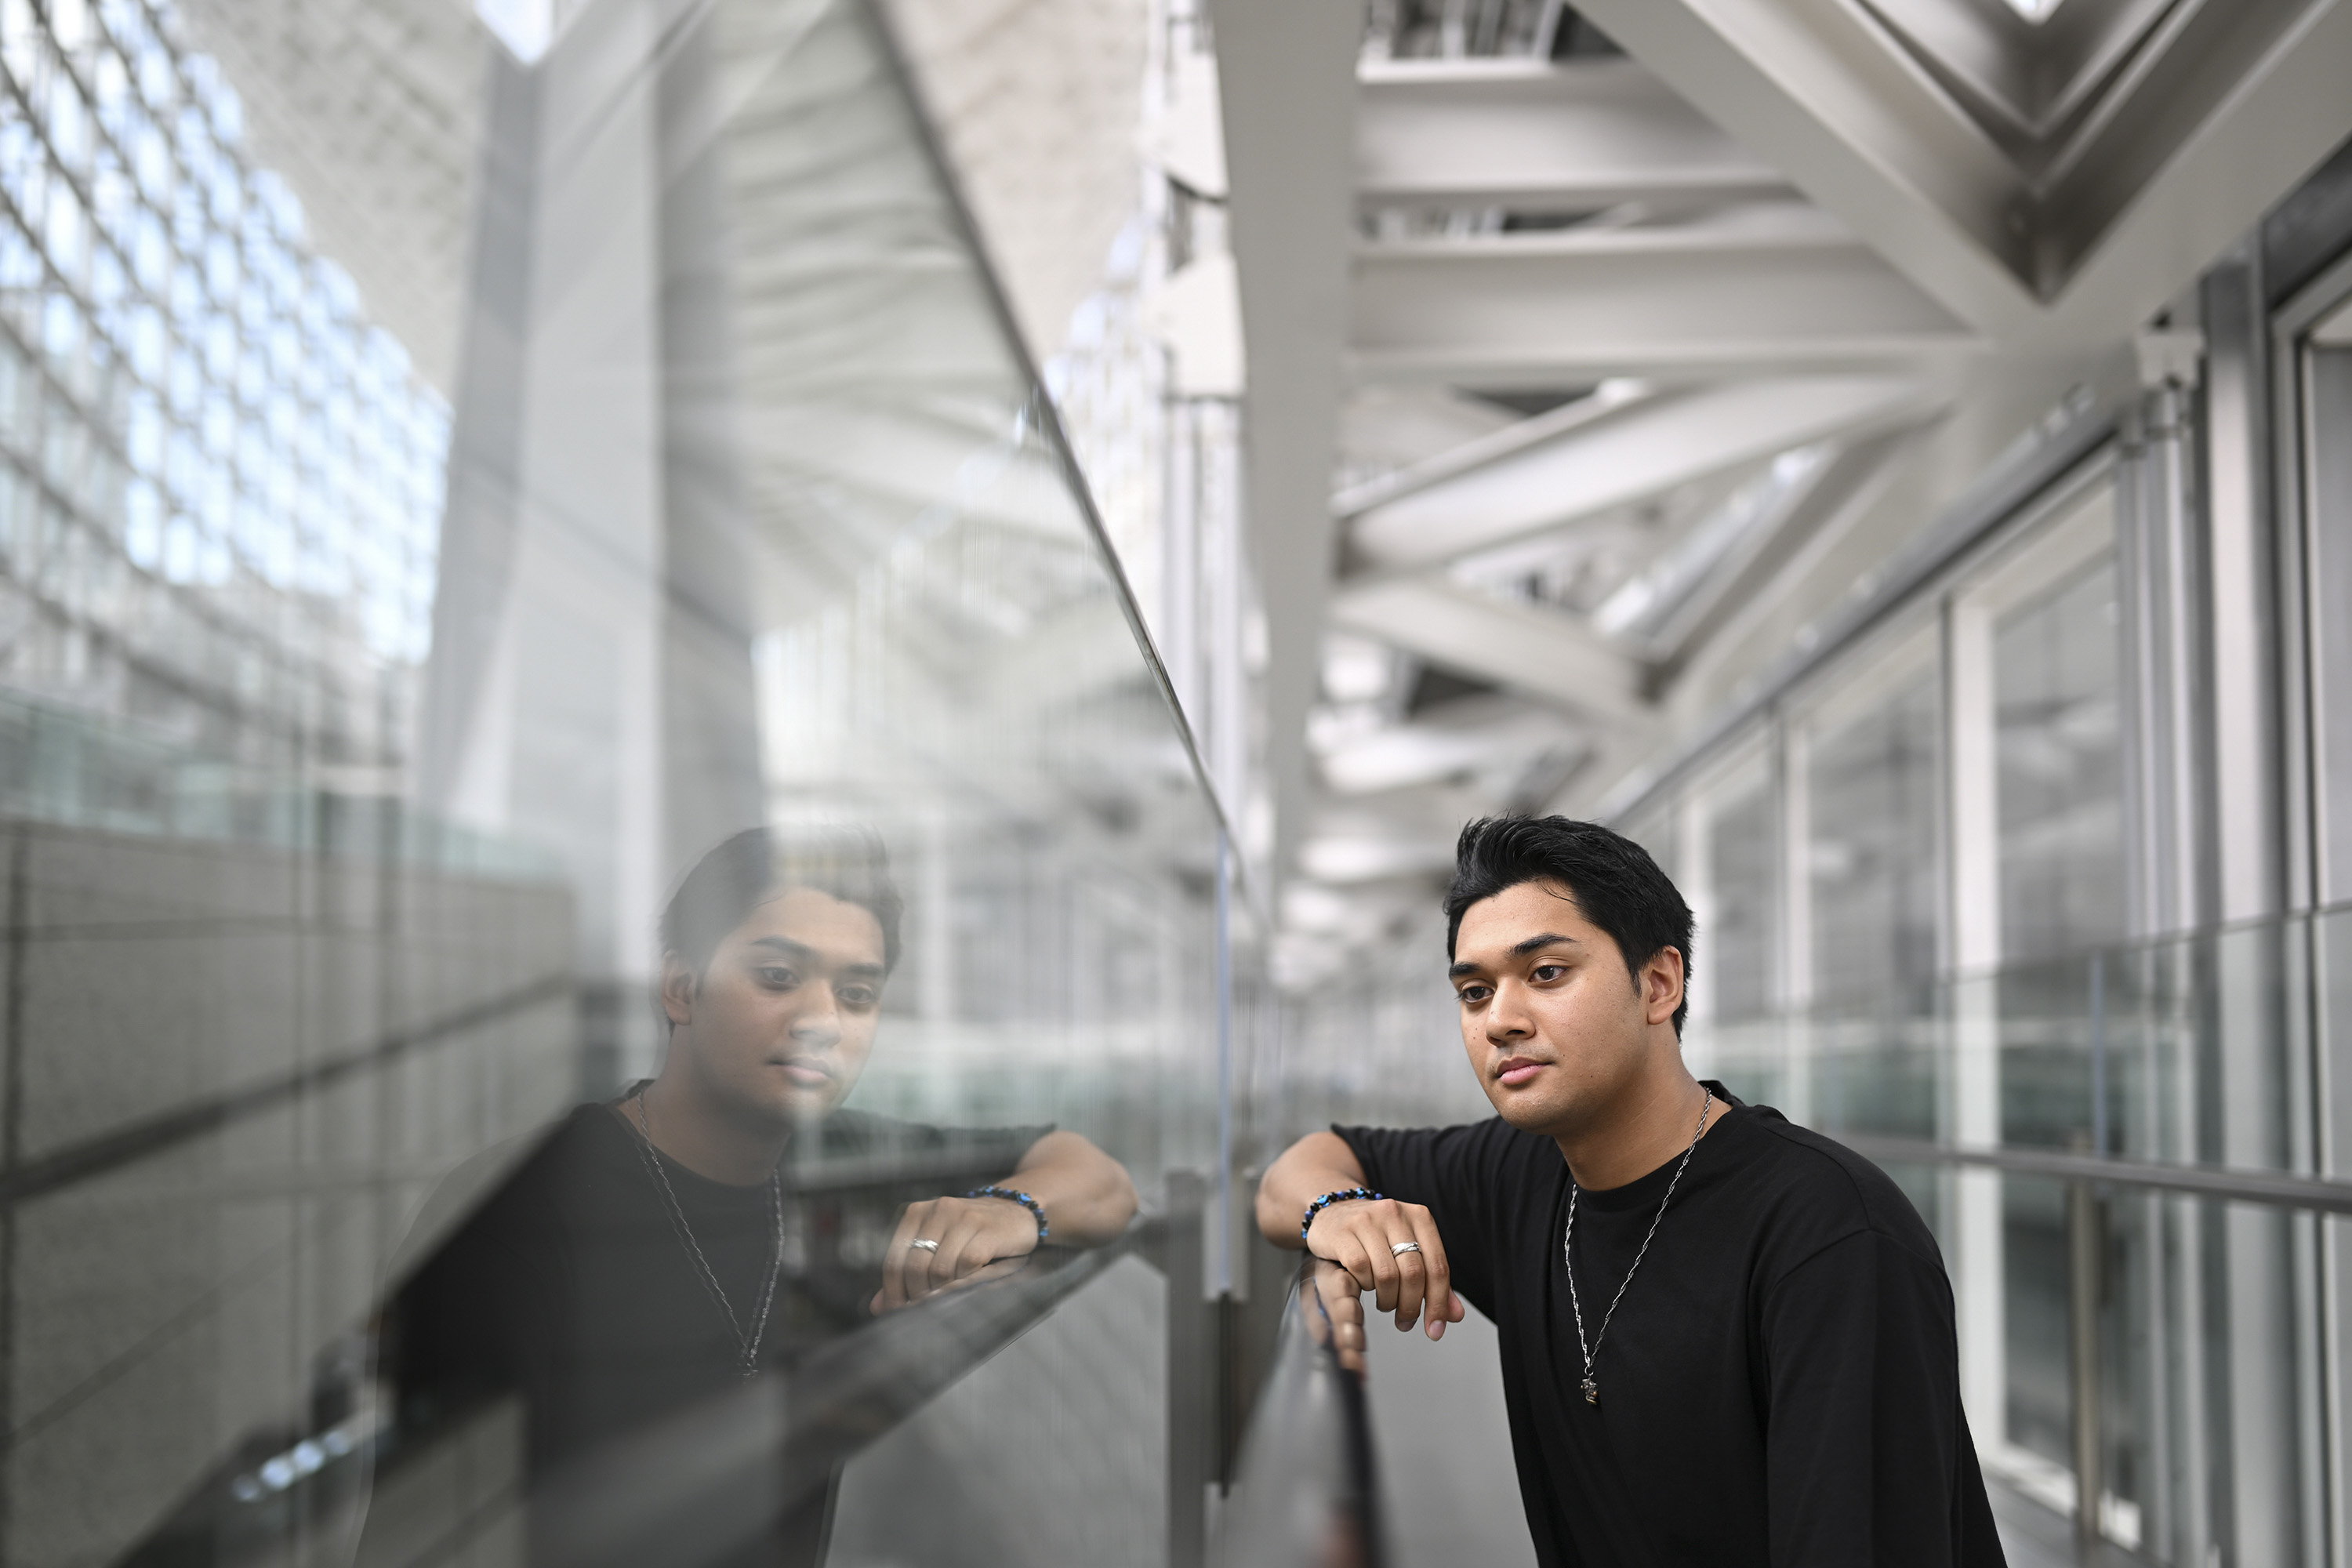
[(1780, 1383), (572, 1288)]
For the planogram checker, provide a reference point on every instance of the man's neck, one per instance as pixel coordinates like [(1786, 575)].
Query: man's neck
[(678, 1113), (1649, 1123)]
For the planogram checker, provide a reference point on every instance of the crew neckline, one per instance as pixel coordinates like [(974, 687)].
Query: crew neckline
[(1730, 1116)]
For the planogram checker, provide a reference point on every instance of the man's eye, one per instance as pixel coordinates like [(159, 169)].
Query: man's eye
[(776, 975), (858, 995), (1471, 996), (1551, 970)]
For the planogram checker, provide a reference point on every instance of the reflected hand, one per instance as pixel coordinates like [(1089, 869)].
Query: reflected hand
[(1340, 1324), (1362, 1234), (971, 1234)]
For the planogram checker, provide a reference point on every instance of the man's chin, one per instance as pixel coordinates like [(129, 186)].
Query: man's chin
[(1527, 1110), (790, 1105)]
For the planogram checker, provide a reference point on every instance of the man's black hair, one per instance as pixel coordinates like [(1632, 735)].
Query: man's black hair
[(1614, 880), (726, 885)]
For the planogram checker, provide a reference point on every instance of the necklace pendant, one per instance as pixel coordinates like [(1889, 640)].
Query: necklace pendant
[(1591, 1392)]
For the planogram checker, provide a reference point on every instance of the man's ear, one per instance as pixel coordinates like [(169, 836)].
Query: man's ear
[(1662, 985), (678, 984)]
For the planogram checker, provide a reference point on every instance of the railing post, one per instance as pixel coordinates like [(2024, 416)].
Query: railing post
[(1194, 1405), (2085, 1242)]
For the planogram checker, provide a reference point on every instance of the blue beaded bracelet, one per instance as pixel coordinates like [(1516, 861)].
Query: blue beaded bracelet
[(1023, 1199), (1326, 1201)]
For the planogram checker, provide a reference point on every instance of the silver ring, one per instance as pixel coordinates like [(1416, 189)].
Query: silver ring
[(925, 1244), (1402, 1247)]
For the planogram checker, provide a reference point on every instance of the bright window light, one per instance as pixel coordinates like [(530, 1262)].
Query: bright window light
[(2035, 10), (527, 27)]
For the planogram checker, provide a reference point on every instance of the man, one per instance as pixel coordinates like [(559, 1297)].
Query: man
[(662, 1248), (1725, 1339)]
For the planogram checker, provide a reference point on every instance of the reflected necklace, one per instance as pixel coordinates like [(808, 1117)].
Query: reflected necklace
[(747, 1346), (1592, 1389)]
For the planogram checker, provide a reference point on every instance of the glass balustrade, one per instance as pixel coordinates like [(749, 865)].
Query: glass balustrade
[(2132, 1157), (352, 803)]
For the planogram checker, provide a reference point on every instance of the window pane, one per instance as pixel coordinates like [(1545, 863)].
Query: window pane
[(1872, 858), (1734, 953), (2055, 673), (2327, 436)]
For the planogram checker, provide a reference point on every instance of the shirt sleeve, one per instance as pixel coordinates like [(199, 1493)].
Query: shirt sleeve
[(1449, 1170), (1868, 1459)]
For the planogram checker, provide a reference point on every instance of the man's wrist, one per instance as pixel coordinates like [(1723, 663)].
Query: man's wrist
[(1007, 1194), (1342, 1195)]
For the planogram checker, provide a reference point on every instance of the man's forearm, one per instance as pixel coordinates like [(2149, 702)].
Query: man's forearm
[(1088, 1196), (1318, 1163)]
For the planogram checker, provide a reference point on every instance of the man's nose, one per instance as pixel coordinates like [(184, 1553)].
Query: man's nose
[(818, 1020), (1507, 1018)]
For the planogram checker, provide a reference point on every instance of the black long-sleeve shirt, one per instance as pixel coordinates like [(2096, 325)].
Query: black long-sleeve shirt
[(1780, 1383)]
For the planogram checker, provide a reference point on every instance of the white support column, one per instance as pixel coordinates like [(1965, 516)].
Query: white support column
[(1693, 874), (1794, 956), (2164, 667), (2271, 1412), (591, 688), (1973, 1103), (2240, 598), (1180, 570), (1286, 76)]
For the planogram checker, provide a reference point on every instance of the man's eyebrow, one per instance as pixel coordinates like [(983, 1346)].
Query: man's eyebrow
[(783, 945), (803, 952), (1518, 949), (1538, 943)]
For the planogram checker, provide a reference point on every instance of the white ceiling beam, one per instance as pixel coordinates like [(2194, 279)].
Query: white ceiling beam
[(1643, 448), (2207, 128), (1540, 653), (1817, 91), (1534, 136), (1691, 300), (1287, 75)]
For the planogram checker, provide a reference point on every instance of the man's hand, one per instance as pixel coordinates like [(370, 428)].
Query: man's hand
[(971, 1233), (1361, 1236)]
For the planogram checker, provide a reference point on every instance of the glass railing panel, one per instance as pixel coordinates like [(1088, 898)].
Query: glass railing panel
[(2196, 1050), (2130, 1160), (368, 699)]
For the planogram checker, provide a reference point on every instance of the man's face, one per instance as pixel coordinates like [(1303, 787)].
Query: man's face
[(783, 1015), (1553, 1022)]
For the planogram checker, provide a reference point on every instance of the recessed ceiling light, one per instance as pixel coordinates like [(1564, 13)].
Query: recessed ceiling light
[(2035, 10)]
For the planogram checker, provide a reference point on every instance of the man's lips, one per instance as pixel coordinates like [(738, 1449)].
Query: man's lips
[(1517, 1070), (804, 1072)]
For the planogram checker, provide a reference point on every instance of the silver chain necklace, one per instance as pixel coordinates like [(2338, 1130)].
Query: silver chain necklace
[(1592, 1389), (747, 1346)]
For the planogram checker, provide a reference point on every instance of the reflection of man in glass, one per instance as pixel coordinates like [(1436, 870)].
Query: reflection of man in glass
[(658, 1248)]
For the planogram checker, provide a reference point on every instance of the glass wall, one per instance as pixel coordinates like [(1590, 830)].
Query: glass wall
[(536, 913), (1871, 784), (2116, 1141), (1732, 961), (2059, 739)]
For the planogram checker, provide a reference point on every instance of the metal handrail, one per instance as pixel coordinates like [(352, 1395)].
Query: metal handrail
[(1307, 1491), (2279, 1189)]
